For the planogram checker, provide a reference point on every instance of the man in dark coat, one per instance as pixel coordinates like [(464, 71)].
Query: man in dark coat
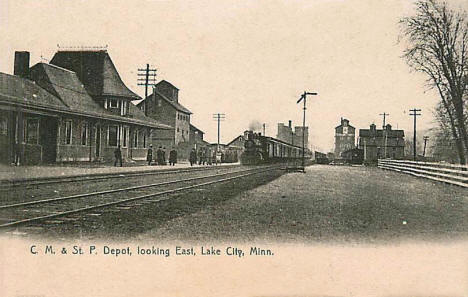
[(164, 156), (159, 156), (200, 156), (172, 157), (118, 156), (149, 156), (193, 157)]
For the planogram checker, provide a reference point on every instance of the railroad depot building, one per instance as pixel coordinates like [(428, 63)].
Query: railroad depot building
[(344, 138), (52, 113), (382, 143)]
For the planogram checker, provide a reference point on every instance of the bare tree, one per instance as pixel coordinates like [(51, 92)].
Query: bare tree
[(437, 46), (442, 143)]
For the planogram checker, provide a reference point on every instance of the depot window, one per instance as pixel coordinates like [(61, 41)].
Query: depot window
[(84, 133), (68, 132), (113, 103), (135, 139), (32, 131), (3, 125), (113, 130), (125, 136)]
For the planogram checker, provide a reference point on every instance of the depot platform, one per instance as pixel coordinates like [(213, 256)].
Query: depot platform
[(18, 173)]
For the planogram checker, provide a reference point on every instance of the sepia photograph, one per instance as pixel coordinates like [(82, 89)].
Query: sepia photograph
[(283, 148)]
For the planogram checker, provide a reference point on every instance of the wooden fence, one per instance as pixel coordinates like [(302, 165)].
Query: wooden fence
[(442, 172)]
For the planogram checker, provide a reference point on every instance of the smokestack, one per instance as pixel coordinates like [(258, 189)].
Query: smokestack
[(290, 123), (21, 64)]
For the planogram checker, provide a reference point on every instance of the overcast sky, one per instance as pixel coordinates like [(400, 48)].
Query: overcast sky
[(248, 59)]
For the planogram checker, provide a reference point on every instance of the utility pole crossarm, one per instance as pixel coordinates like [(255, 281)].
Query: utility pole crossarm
[(384, 129), (414, 113), (219, 117), (149, 79)]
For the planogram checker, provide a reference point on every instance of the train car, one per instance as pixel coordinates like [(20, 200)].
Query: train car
[(260, 149), (354, 156), (321, 158)]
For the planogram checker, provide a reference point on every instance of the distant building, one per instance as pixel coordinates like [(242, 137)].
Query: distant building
[(286, 134), (163, 105), (382, 143), (344, 138), (298, 136), (238, 142), (196, 138)]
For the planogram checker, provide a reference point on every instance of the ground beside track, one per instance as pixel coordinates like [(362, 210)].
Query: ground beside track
[(330, 204)]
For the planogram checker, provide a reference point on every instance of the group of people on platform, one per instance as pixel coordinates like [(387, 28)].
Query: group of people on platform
[(161, 156), (203, 156)]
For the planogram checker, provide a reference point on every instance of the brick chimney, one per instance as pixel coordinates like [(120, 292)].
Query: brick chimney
[(21, 64), (290, 124)]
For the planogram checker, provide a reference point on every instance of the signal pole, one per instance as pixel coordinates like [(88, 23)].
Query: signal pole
[(425, 141), (149, 79), (414, 113), (304, 98), (384, 130), (219, 117)]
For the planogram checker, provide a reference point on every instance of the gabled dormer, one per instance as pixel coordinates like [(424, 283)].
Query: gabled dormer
[(100, 78)]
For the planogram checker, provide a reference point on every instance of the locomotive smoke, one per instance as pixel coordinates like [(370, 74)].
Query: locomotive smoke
[(255, 125)]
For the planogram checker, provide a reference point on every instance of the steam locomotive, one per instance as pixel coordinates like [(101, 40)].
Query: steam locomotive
[(260, 149)]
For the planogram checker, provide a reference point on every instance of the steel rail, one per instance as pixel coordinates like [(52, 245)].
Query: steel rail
[(6, 184), (77, 196), (84, 209)]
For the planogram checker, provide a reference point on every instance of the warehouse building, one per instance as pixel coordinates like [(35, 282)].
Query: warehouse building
[(381, 143), (163, 104)]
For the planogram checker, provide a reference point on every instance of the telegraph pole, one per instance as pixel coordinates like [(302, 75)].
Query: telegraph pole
[(304, 98), (149, 79), (384, 130), (219, 117), (384, 114), (425, 141), (264, 129), (414, 113)]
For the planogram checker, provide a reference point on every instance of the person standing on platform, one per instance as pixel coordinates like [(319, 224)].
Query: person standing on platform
[(118, 156), (172, 157), (203, 156), (159, 156), (208, 156), (193, 157), (200, 156), (149, 156), (164, 156)]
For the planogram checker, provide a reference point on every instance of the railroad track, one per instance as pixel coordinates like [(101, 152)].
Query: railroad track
[(9, 184), (46, 210)]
